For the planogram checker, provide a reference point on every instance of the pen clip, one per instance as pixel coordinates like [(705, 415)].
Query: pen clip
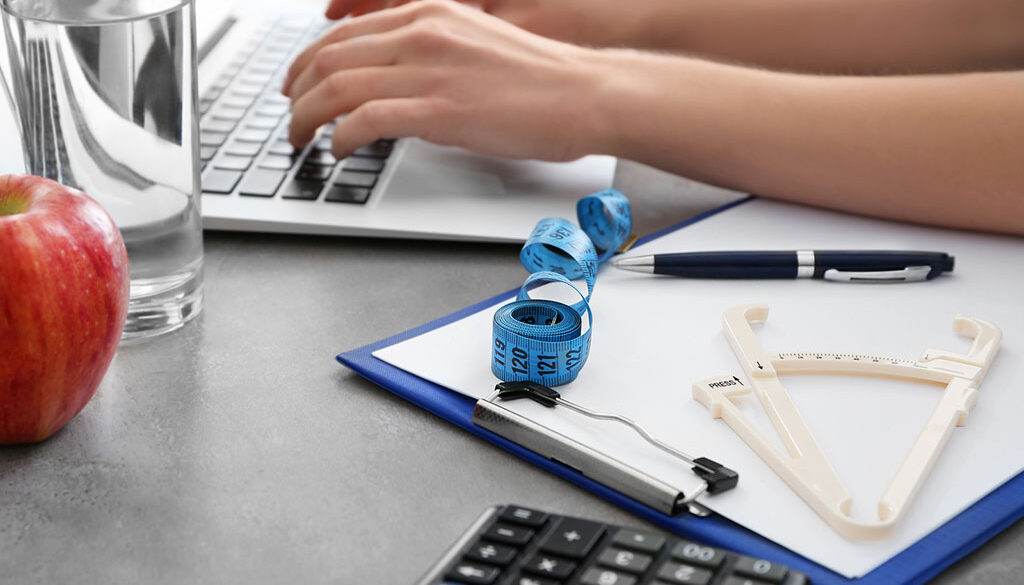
[(908, 274)]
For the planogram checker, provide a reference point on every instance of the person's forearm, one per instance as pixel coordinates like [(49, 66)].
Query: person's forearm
[(939, 149), (839, 36)]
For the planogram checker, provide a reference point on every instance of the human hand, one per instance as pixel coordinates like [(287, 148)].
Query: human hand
[(586, 22), (451, 75)]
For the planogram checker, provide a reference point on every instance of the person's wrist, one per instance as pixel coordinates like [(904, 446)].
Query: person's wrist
[(612, 103)]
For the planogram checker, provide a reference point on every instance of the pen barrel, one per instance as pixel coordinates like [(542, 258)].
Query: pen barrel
[(879, 261), (756, 264)]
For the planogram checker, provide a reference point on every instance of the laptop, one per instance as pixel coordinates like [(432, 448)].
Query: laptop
[(254, 181)]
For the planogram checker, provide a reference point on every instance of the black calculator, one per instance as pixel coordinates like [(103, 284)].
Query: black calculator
[(512, 545)]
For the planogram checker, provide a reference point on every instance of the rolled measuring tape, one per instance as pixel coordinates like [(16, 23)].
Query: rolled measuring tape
[(544, 341)]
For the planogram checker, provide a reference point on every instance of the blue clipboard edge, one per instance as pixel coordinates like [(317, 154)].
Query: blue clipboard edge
[(915, 565)]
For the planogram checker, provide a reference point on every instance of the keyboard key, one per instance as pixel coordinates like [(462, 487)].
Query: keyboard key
[(760, 569), (595, 576), (278, 161), (277, 100), (363, 164), (221, 112), (493, 554), (246, 92), (573, 538), (262, 122), (253, 135), (237, 101), (368, 180), (235, 163), (223, 126), (243, 148), (684, 574), (261, 183), (272, 109), (695, 554), (346, 194), (282, 147), (472, 574), (641, 541), (212, 138), (379, 149), (624, 560), (514, 514), (220, 181), (302, 189), (321, 157), (208, 152), (549, 566), (315, 172), (508, 534)]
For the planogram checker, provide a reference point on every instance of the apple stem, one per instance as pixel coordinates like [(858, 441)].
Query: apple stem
[(11, 203)]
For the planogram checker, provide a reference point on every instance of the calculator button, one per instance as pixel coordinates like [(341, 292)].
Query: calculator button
[(531, 580), (684, 574), (472, 574), (695, 554), (624, 560), (514, 514), (734, 580), (760, 569), (641, 541), (595, 576), (509, 534), (494, 554), (549, 566), (573, 538)]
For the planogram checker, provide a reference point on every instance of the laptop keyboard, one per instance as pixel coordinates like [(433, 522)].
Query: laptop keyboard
[(244, 148)]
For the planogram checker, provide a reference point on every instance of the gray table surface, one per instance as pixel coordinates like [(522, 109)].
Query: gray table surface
[(236, 450)]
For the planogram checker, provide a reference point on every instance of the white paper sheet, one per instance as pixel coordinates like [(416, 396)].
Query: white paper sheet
[(654, 336)]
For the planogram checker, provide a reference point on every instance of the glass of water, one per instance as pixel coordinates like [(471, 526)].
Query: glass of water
[(104, 93)]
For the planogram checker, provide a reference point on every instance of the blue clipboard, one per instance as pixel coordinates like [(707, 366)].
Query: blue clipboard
[(917, 564)]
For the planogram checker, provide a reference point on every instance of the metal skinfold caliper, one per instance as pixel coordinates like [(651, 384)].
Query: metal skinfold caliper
[(805, 467)]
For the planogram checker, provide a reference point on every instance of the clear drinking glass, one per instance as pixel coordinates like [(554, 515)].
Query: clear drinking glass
[(104, 93)]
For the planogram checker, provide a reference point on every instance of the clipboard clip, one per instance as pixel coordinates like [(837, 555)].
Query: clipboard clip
[(716, 478)]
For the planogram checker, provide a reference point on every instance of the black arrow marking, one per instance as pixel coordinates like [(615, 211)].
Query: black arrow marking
[(759, 366)]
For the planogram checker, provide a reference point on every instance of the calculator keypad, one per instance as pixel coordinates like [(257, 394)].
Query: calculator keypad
[(521, 546)]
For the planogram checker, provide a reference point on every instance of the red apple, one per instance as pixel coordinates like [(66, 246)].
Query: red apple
[(63, 300)]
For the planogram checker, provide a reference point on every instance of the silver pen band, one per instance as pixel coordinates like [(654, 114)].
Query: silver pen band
[(804, 263)]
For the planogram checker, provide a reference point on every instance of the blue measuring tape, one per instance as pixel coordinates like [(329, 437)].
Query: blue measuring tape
[(543, 341)]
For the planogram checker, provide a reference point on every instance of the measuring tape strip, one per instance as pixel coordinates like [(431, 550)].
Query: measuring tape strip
[(544, 341)]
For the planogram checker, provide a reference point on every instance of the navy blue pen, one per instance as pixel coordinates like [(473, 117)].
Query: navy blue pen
[(838, 265)]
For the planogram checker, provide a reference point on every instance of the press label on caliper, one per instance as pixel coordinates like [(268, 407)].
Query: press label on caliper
[(713, 391)]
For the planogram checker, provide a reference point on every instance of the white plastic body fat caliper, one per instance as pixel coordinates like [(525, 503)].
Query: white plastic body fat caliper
[(804, 467)]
